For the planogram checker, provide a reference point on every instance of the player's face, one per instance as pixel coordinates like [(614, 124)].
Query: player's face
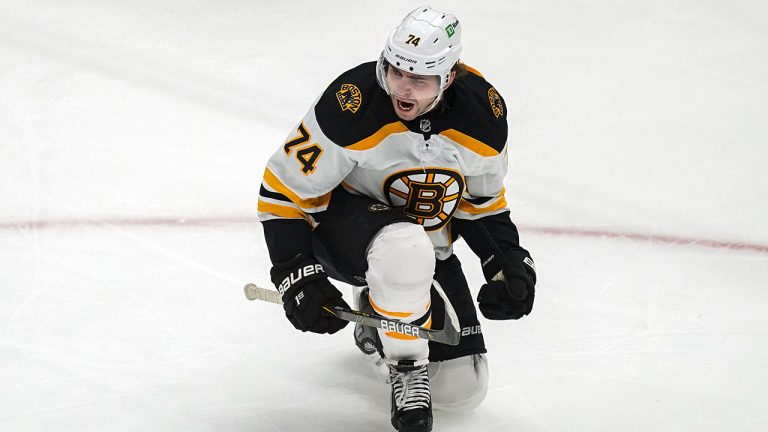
[(411, 94)]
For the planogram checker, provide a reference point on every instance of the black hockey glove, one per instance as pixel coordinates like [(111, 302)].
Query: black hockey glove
[(511, 286), (306, 289)]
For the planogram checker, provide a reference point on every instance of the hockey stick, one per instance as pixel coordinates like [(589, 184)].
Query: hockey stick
[(449, 334)]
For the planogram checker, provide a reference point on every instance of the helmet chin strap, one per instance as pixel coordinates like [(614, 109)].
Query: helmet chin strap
[(439, 95), (434, 103)]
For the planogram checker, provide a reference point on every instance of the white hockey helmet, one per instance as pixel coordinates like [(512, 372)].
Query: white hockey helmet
[(427, 42)]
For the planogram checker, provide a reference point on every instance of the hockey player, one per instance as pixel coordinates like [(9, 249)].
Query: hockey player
[(395, 161)]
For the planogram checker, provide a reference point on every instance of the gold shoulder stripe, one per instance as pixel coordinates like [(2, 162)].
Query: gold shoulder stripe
[(379, 136), (276, 184), (470, 143), (472, 70)]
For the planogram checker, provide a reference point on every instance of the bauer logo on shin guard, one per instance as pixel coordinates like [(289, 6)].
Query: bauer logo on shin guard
[(298, 275), (401, 328)]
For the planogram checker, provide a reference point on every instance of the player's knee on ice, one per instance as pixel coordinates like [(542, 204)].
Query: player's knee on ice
[(459, 384), (401, 266)]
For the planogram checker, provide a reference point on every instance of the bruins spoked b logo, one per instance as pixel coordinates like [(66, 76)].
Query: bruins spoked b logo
[(430, 196)]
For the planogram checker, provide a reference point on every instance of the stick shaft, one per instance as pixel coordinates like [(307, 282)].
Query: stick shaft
[(448, 335)]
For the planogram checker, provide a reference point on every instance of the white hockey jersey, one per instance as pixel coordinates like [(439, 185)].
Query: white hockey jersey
[(448, 163)]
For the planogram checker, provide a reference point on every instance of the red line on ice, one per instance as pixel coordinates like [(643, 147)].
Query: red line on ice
[(217, 221), (649, 238)]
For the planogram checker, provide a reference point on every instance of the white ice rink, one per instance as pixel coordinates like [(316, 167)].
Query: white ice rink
[(133, 136)]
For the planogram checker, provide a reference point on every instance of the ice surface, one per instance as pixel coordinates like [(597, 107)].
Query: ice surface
[(132, 141)]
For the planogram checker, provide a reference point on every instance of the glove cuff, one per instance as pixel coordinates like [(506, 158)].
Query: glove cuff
[(299, 271), (492, 266), (495, 264)]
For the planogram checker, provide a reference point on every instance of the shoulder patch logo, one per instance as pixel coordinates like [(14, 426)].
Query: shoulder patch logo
[(496, 105), (349, 97)]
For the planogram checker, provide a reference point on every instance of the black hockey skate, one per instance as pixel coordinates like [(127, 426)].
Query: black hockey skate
[(411, 398), (366, 337)]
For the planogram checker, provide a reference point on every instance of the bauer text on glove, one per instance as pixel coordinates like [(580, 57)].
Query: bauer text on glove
[(306, 289)]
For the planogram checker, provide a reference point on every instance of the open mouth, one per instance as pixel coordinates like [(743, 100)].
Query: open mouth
[(405, 106)]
